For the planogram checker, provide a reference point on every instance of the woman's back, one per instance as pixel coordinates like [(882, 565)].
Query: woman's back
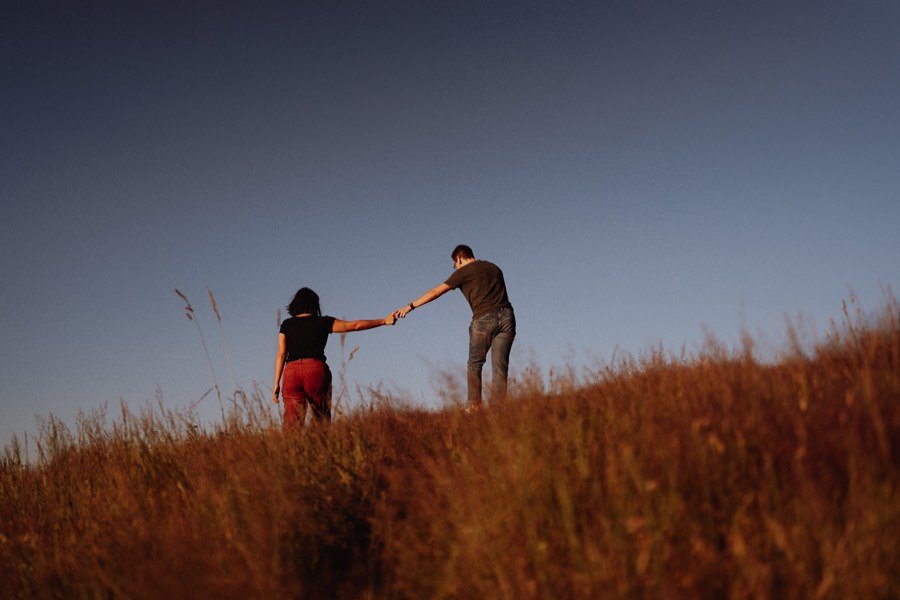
[(306, 336)]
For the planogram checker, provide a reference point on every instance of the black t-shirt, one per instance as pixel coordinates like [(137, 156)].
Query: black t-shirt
[(306, 336), (481, 282)]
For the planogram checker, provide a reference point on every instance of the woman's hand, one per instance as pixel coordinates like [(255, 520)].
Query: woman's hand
[(275, 393)]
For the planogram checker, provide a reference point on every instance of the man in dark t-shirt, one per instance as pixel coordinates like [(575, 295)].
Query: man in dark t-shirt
[(493, 324)]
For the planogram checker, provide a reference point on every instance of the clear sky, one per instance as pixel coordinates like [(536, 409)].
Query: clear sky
[(642, 172)]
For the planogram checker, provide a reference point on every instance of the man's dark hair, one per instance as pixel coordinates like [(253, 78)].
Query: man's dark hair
[(305, 301), (462, 251)]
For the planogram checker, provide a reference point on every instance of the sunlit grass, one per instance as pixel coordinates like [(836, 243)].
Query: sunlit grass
[(711, 476)]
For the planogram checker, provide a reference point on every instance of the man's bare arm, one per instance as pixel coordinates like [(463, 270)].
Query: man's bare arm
[(432, 294)]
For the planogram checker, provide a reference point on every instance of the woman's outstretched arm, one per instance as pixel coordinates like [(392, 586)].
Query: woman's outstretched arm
[(347, 326), (280, 355)]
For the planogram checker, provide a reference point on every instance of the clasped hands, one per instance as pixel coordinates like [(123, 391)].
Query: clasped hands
[(400, 313)]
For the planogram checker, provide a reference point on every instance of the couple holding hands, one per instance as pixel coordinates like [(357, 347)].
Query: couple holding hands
[(303, 378)]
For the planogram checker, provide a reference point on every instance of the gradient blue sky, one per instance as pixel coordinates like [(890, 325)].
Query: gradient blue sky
[(640, 170)]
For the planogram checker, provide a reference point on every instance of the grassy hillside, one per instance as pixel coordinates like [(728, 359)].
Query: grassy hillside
[(714, 477)]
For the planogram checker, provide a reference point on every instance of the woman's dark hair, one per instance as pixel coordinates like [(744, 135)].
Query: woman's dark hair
[(305, 301)]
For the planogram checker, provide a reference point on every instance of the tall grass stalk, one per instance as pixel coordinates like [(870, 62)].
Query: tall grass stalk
[(223, 340), (189, 313), (343, 389)]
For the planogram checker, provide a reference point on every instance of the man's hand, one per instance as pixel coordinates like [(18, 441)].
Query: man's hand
[(390, 319)]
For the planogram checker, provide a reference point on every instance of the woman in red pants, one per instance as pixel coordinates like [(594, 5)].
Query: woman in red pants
[(301, 357)]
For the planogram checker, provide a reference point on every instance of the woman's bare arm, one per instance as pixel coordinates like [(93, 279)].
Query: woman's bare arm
[(280, 355), (347, 326)]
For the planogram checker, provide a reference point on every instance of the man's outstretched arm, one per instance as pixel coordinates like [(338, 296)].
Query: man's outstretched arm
[(432, 294)]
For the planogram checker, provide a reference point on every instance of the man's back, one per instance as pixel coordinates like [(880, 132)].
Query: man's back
[(482, 283)]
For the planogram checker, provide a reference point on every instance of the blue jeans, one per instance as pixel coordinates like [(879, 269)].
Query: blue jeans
[(494, 331)]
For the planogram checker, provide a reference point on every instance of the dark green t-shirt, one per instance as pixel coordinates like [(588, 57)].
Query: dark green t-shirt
[(481, 282)]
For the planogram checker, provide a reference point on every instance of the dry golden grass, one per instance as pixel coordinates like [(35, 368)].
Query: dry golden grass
[(716, 476)]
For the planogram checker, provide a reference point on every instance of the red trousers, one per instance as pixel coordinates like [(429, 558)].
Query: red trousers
[(306, 381)]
